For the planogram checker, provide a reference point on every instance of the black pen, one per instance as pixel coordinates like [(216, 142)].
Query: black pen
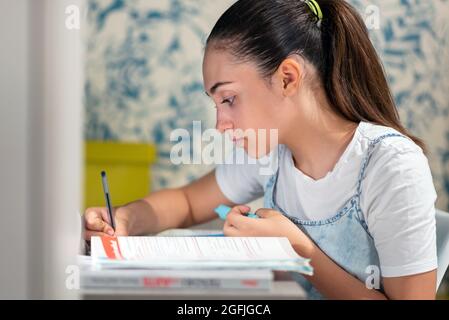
[(107, 198)]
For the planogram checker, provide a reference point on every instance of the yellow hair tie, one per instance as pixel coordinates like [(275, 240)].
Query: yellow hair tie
[(315, 7)]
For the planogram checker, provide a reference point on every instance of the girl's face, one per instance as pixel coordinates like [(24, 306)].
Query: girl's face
[(245, 102)]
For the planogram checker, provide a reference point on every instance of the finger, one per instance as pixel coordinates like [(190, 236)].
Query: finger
[(89, 234), (92, 220), (230, 231), (95, 222), (105, 214), (94, 210), (241, 210), (237, 220)]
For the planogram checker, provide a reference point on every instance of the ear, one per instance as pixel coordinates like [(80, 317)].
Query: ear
[(290, 74)]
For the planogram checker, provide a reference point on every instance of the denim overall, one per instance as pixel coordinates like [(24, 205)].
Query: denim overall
[(345, 237)]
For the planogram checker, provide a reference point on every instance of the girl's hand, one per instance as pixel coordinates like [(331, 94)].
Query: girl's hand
[(271, 223), (96, 222)]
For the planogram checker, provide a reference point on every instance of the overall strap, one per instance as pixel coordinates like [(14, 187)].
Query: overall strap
[(368, 156)]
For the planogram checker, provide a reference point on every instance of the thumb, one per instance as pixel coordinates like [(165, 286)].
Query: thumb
[(265, 213)]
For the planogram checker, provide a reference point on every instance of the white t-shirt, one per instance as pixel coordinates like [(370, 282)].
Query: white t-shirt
[(398, 196)]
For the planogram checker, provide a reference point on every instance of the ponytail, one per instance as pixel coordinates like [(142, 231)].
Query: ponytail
[(353, 75)]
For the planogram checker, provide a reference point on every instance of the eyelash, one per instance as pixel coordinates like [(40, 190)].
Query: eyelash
[(229, 101)]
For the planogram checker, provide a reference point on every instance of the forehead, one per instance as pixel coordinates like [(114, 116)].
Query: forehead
[(218, 63), (220, 66)]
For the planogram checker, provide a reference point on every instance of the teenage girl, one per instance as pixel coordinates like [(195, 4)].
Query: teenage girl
[(352, 190)]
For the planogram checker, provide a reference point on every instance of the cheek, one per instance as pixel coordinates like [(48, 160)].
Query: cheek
[(252, 115), (258, 122), (264, 109)]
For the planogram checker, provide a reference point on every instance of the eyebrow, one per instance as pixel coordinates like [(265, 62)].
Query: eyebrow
[(217, 85)]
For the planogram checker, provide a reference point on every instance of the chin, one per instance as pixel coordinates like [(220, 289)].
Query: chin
[(258, 153)]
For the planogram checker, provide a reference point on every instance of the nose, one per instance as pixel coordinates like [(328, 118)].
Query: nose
[(223, 124)]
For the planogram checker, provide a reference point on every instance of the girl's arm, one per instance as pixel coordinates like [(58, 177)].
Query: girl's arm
[(161, 210), (178, 208), (335, 283)]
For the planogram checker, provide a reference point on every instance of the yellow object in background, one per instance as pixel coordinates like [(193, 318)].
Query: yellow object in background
[(127, 166)]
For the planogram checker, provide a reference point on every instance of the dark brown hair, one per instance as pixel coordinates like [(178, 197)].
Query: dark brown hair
[(339, 47)]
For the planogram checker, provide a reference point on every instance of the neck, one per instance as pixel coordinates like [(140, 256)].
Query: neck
[(322, 139)]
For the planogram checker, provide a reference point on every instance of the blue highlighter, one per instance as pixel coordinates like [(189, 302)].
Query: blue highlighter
[(223, 212)]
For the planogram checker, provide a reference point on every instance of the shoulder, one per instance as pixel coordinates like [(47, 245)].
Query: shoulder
[(397, 176), (396, 166), (390, 150), (386, 139)]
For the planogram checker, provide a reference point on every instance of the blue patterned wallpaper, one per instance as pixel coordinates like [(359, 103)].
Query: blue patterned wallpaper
[(143, 76)]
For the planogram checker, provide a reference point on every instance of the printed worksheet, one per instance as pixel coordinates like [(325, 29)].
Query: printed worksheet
[(197, 252)]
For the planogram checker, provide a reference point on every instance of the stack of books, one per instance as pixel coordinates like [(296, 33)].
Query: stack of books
[(203, 261), (176, 279)]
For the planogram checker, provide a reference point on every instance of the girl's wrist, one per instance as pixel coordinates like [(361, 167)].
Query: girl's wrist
[(125, 213), (138, 215)]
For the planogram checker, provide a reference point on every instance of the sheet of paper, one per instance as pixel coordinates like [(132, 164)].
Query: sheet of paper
[(189, 233), (193, 248), (197, 253)]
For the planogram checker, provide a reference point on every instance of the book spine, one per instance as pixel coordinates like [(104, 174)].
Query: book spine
[(144, 282)]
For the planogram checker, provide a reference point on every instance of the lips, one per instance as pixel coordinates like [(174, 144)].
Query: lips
[(239, 141)]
